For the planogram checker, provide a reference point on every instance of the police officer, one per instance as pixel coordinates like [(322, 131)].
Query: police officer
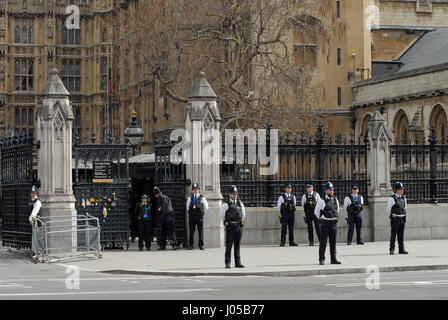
[(34, 206), (232, 213), (327, 209), (309, 201), (353, 205), (165, 217), (197, 206), (143, 216), (396, 210), (286, 205)]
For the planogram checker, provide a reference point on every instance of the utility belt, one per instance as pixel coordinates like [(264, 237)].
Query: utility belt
[(232, 223), (395, 216), (324, 221), (196, 213)]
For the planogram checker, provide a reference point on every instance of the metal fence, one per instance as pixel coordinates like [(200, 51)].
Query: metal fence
[(17, 155), (422, 167), (101, 187), (62, 238), (171, 179), (302, 159)]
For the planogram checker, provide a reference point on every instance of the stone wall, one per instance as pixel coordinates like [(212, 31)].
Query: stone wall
[(425, 222), (262, 227), (407, 13), (400, 85)]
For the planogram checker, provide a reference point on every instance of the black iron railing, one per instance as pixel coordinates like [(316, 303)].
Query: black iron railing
[(422, 168), (17, 156), (302, 159)]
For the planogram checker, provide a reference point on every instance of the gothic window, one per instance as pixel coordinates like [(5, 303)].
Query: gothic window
[(17, 34), (71, 75), (305, 34), (23, 121), (104, 36), (104, 74), (24, 32), (70, 36), (23, 75)]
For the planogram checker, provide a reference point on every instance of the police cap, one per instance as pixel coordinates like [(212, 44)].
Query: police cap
[(329, 185), (398, 186), (195, 186), (233, 190)]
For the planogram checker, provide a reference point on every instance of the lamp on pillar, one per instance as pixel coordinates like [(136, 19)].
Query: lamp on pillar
[(134, 133)]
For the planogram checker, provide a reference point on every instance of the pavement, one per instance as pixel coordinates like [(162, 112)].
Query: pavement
[(269, 261)]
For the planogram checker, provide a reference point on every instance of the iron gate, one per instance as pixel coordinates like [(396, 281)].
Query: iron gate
[(101, 187), (171, 179), (303, 159), (17, 156)]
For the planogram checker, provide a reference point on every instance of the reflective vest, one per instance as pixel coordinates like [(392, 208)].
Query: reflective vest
[(196, 208), (288, 204), (330, 211), (399, 207), (234, 213), (310, 202), (355, 207)]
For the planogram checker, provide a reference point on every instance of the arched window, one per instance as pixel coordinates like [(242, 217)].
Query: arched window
[(17, 34), (24, 121), (31, 117), (104, 36), (438, 120), (17, 117), (364, 125), (78, 118), (306, 29), (24, 34), (401, 124), (31, 34)]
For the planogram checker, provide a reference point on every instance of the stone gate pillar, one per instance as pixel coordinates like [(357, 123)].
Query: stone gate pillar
[(378, 169), (205, 152), (54, 132)]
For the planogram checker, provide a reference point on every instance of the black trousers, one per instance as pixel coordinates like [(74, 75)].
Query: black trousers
[(167, 231), (287, 221), (196, 221), (354, 220), (311, 218), (329, 231), (144, 233), (233, 238), (397, 229)]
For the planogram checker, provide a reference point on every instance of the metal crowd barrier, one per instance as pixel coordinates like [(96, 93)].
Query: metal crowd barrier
[(59, 238)]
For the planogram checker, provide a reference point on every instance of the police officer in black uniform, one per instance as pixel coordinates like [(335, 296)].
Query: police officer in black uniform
[(143, 216), (197, 206), (232, 213), (34, 207), (309, 202), (165, 217), (354, 205), (396, 209), (327, 209), (286, 205)]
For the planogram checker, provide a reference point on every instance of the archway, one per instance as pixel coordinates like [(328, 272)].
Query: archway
[(438, 120), (401, 124), (364, 125)]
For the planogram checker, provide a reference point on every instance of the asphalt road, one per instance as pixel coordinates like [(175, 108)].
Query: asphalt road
[(21, 279)]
